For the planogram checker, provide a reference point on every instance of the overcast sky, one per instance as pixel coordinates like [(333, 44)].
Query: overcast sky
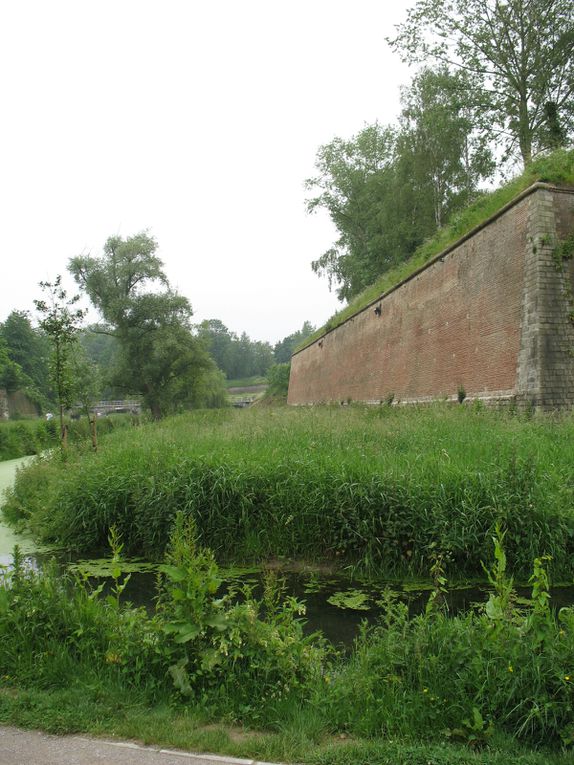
[(198, 121)]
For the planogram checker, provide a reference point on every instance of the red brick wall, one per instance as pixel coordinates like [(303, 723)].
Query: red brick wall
[(456, 323)]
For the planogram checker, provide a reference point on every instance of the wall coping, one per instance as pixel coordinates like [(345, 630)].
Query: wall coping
[(538, 186)]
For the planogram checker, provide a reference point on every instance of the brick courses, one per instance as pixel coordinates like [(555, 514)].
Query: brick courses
[(490, 315)]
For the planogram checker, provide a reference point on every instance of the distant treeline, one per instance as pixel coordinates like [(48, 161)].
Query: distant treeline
[(240, 357), (25, 355)]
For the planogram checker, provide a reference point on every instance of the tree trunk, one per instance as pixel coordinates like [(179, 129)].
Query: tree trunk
[(524, 132), (63, 429), (93, 430), (155, 408)]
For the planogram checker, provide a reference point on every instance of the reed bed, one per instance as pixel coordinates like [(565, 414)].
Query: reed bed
[(383, 489), (20, 438)]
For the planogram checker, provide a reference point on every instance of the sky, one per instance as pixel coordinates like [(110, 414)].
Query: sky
[(196, 121)]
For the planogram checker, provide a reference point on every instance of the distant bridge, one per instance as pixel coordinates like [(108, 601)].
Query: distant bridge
[(240, 403), (122, 406)]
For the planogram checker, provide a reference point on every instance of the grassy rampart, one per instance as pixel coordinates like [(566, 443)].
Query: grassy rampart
[(556, 168)]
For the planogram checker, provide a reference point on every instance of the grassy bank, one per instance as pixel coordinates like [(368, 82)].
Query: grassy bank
[(486, 688), (25, 437), (384, 489)]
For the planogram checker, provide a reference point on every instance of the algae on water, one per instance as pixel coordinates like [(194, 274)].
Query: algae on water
[(354, 600)]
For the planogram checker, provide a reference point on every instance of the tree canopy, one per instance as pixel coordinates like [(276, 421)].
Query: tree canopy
[(518, 58), (160, 357), (387, 189), (236, 355), (29, 348), (283, 350)]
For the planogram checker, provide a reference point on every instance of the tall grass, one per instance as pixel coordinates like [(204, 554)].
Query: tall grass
[(383, 489), (21, 438)]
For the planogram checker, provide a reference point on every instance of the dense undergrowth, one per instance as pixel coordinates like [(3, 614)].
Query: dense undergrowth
[(495, 680), (557, 168), (381, 489), (20, 438)]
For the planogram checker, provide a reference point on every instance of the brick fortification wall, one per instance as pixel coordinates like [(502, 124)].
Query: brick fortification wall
[(491, 315)]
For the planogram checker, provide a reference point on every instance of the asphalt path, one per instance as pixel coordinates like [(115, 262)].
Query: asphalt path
[(25, 747)]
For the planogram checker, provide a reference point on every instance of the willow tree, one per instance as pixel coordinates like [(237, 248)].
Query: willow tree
[(160, 358), (518, 56)]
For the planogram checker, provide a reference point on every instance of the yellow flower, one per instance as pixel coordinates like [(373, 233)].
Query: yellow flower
[(425, 690), (510, 668), (567, 678)]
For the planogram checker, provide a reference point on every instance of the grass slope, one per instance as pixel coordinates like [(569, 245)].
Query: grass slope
[(557, 168)]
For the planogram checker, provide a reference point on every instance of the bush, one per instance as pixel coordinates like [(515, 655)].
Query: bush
[(278, 378), (502, 668)]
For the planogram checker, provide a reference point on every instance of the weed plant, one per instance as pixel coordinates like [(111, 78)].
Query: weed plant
[(500, 673), (384, 490)]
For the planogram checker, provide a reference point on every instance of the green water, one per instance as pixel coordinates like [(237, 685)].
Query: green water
[(8, 537)]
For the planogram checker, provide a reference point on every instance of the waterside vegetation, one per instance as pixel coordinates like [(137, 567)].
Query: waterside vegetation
[(20, 438), (381, 490), (492, 686)]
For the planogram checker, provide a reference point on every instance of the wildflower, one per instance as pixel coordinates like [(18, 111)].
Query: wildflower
[(567, 678), (425, 690), (510, 668)]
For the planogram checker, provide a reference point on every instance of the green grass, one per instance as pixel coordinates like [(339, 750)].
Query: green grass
[(246, 382), (383, 488), (557, 168), (380, 489), (119, 713), (21, 438)]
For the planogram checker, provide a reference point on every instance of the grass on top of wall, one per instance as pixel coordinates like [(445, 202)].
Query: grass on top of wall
[(557, 168), (382, 489)]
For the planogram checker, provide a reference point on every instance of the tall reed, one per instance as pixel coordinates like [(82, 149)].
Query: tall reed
[(381, 488)]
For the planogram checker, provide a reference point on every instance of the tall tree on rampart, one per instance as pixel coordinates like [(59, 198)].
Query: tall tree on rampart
[(387, 189), (160, 357), (355, 185), (518, 59), (439, 155)]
